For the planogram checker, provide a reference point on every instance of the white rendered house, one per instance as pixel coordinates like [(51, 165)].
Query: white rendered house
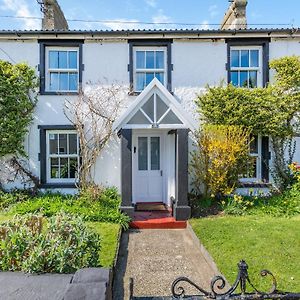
[(147, 159)]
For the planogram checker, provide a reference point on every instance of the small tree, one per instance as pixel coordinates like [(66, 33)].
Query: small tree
[(93, 114), (17, 103), (221, 155)]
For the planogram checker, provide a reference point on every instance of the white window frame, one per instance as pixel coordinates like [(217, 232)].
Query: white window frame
[(49, 156), (258, 156), (164, 70), (57, 70), (258, 69)]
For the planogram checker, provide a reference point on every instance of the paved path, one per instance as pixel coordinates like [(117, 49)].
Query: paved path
[(155, 257)]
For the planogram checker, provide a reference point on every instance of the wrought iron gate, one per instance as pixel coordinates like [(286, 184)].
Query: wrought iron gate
[(237, 291)]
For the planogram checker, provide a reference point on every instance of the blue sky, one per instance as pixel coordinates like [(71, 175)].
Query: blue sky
[(202, 13)]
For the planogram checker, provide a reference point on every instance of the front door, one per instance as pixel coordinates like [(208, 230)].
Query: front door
[(147, 166)]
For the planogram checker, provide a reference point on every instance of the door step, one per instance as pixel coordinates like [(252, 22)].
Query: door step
[(160, 223)]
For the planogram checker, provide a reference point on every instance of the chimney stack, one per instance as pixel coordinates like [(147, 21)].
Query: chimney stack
[(54, 18), (235, 17)]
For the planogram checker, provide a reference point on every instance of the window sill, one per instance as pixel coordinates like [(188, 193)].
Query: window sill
[(58, 186), (255, 185), (59, 93)]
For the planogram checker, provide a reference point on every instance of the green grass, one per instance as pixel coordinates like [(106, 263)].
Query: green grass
[(109, 233), (264, 242)]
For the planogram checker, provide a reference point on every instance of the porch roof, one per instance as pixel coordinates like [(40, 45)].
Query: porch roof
[(155, 107)]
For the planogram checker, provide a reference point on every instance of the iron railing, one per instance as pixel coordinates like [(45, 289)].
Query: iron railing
[(219, 290)]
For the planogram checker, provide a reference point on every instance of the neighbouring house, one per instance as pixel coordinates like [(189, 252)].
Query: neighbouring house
[(164, 70)]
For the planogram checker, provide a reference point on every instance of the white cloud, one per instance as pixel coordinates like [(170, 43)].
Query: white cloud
[(151, 3), (204, 25), (160, 17), (119, 24), (213, 10), (21, 9)]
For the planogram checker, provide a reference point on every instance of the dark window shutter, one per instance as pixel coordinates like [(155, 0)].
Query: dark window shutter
[(265, 158)]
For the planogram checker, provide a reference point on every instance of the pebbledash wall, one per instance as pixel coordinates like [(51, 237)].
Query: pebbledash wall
[(198, 58)]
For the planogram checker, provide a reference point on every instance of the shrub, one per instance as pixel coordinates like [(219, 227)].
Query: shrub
[(94, 204), (221, 154), (7, 199), (285, 204), (60, 244)]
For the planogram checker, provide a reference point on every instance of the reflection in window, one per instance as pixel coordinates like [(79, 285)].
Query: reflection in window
[(244, 67), (149, 64), (63, 155), (142, 153), (62, 70)]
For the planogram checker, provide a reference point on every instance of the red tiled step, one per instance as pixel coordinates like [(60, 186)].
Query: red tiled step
[(159, 223)]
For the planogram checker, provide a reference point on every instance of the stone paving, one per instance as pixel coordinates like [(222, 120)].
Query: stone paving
[(155, 257)]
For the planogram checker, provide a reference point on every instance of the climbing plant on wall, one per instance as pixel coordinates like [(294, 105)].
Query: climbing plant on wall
[(17, 103), (272, 111)]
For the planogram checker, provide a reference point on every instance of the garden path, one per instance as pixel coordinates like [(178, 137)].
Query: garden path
[(154, 258)]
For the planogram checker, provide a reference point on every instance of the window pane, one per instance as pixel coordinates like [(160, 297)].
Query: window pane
[(149, 77), (63, 59), (252, 79), (63, 82), (73, 167), (254, 58), (243, 79), (53, 144), (160, 77), (170, 118), (160, 62), (142, 153), (138, 118), (234, 78), (140, 59), (234, 58), (73, 59), (54, 168), (72, 143), (148, 108), (73, 81), (155, 156), (53, 59), (140, 81), (54, 81), (150, 59), (244, 58), (63, 144), (161, 107), (64, 168), (254, 144)]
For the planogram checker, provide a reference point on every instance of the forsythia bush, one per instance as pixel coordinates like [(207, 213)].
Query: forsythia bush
[(60, 244), (221, 154)]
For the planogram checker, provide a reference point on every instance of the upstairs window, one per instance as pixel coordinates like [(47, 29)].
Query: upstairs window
[(62, 69), (149, 62), (246, 67)]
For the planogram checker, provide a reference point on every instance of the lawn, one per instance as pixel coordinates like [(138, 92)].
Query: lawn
[(109, 233), (264, 242)]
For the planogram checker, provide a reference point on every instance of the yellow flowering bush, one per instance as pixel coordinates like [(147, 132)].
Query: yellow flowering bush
[(221, 154)]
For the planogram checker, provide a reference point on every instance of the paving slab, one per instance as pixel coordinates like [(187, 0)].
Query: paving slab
[(20, 286), (154, 258)]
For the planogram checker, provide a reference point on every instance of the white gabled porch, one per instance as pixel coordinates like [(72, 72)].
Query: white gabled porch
[(154, 151)]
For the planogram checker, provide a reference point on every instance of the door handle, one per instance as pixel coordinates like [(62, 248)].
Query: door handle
[(134, 149), (161, 172)]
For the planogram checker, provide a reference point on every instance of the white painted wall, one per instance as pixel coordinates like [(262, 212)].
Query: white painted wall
[(195, 64)]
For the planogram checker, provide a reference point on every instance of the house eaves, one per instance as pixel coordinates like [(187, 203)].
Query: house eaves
[(149, 34)]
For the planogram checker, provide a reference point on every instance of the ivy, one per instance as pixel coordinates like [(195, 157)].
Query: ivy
[(17, 84)]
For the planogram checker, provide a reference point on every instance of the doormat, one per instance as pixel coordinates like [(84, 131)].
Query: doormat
[(150, 206)]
